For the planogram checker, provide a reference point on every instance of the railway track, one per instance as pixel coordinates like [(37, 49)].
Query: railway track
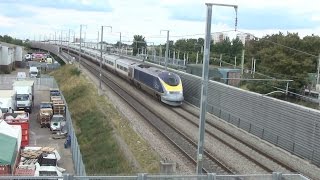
[(184, 113), (181, 141)]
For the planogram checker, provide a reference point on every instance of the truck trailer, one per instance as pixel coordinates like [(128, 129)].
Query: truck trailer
[(24, 94)]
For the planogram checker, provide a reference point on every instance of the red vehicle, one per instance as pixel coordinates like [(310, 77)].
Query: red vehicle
[(19, 118)]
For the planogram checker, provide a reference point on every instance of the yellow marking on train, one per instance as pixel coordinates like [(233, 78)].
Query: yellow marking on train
[(171, 88)]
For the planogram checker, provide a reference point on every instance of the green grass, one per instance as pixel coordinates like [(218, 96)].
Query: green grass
[(96, 122)]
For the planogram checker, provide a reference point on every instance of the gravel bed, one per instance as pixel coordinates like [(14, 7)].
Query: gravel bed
[(243, 148), (304, 167)]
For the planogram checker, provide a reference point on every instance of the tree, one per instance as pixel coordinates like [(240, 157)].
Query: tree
[(138, 43), (274, 58), (117, 44)]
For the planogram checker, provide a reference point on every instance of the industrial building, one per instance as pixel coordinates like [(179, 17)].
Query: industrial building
[(10, 57)]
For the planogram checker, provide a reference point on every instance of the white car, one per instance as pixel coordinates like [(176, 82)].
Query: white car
[(28, 57)]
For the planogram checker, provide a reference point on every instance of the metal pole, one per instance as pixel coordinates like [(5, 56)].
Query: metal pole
[(318, 77), (98, 41), (197, 57), (61, 38), (204, 86), (287, 88), (235, 61), (242, 62), (100, 58), (254, 67), (167, 51), (204, 90), (251, 65), (154, 53), (120, 44), (220, 60), (69, 42), (80, 45)]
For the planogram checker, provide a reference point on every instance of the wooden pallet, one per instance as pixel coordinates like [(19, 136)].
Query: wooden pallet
[(47, 149), (29, 161), (31, 154)]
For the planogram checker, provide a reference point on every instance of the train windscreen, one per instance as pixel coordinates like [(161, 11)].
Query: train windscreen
[(170, 78)]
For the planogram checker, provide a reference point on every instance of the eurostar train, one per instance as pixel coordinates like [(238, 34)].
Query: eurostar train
[(164, 85)]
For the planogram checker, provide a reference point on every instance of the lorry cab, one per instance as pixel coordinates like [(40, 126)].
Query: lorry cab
[(33, 72), (21, 76)]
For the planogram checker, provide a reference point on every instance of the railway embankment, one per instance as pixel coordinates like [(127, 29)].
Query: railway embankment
[(107, 142)]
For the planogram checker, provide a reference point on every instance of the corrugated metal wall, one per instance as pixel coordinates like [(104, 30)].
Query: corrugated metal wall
[(290, 126)]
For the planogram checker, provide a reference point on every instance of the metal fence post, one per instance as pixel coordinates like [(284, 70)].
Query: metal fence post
[(67, 177), (293, 145), (142, 176), (276, 175), (211, 176)]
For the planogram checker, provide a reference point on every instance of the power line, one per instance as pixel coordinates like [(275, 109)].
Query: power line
[(188, 35)]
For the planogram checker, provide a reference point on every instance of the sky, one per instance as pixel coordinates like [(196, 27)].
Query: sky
[(39, 19)]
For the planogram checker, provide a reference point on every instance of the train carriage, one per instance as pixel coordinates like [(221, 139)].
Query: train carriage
[(122, 67)]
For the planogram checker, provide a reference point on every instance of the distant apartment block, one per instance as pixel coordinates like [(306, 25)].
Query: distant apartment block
[(245, 37), (218, 37)]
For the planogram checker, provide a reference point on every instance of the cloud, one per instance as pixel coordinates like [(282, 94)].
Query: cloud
[(274, 19), (83, 5), (32, 19), (14, 11), (250, 15)]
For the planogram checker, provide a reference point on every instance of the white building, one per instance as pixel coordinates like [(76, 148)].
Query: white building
[(10, 55), (218, 37), (244, 37)]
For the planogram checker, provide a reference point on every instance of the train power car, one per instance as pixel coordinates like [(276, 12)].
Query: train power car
[(166, 86)]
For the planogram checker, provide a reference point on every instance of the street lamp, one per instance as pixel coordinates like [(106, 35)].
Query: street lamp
[(101, 53), (167, 49)]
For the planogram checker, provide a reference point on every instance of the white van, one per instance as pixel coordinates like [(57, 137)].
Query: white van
[(33, 72)]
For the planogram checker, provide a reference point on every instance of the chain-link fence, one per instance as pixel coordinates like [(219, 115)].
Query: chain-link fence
[(142, 176)]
